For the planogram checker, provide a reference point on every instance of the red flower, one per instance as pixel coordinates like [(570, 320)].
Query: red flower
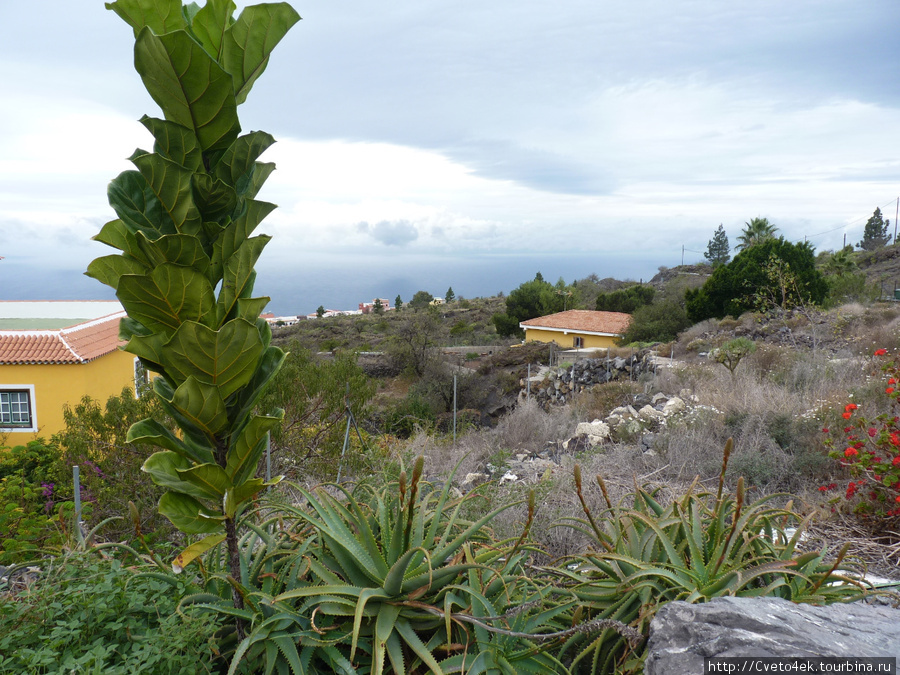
[(897, 499), (892, 381), (872, 432), (847, 415), (896, 461), (889, 390), (851, 452), (850, 406), (847, 430), (825, 430), (880, 352)]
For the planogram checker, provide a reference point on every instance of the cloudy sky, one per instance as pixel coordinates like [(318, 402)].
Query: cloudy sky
[(424, 144)]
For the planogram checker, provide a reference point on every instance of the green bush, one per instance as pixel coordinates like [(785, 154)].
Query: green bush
[(86, 614), (411, 413), (625, 300), (36, 509), (701, 546), (658, 322)]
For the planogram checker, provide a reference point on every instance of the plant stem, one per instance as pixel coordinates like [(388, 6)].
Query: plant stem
[(234, 564)]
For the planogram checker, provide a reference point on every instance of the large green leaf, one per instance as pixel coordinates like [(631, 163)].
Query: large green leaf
[(244, 453), (135, 203), (148, 348), (160, 16), (225, 359), (210, 478), (236, 234), (210, 23), (178, 249), (237, 164), (175, 142), (249, 41), (171, 183), (167, 297), (251, 308), (109, 269), (246, 399), (189, 86), (261, 173), (116, 234), (239, 275), (165, 467), (202, 405), (215, 198), (188, 514), (195, 550), (154, 433), (194, 436)]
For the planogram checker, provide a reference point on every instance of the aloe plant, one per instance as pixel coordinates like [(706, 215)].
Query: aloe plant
[(185, 271), (701, 546)]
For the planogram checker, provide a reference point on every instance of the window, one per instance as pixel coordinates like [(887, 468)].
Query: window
[(16, 409), (578, 342)]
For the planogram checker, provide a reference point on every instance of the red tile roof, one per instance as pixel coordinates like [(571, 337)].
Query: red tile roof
[(582, 321), (81, 343)]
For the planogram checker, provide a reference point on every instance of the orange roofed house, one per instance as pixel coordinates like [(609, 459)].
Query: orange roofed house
[(578, 328), (54, 353)]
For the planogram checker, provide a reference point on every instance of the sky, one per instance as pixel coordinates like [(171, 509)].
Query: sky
[(424, 144)]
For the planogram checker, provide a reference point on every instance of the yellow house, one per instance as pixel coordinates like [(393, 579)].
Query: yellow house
[(578, 328), (52, 354)]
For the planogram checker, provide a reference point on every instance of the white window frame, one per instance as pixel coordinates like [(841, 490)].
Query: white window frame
[(32, 406)]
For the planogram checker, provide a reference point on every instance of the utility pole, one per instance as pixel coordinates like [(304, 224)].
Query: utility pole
[(896, 215), (682, 255)]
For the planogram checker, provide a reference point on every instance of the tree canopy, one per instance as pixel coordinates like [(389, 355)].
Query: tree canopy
[(421, 299), (875, 234), (755, 232), (718, 251), (530, 300), (625, 299), (737, 287)]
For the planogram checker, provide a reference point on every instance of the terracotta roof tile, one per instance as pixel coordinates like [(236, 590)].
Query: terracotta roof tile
[(587, 321), (81, 343)]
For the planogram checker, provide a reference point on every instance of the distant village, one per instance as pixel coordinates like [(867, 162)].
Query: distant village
[(364, 308)]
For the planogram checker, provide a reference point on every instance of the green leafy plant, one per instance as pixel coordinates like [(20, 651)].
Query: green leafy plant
[(387, 579), (85, 613), (731, 353), (702, 545), (185, 274)]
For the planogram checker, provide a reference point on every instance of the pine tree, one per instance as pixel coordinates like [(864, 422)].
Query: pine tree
[(875, 235), (320, 312), (451, 296), (378, 306), (718, 250), (398, 303)]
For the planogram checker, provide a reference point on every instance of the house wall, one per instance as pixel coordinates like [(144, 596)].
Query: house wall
[(58, 384), (566, 340)]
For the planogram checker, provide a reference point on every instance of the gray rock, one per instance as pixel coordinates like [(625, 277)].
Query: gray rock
[(683, 635)]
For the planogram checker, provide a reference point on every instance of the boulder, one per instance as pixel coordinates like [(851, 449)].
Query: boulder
[(596, 431), (682, 635), (673, 405)]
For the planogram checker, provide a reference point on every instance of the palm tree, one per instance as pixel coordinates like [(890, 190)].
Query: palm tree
[(755, 232), (841, 262)]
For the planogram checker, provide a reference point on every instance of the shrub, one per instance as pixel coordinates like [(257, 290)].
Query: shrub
[(658, 322), (88, 614), (869, 448), (36, 508), (702, 545)]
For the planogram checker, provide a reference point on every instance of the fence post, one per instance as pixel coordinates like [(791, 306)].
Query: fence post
[(454, 409), (528, 385), (75, 479)]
